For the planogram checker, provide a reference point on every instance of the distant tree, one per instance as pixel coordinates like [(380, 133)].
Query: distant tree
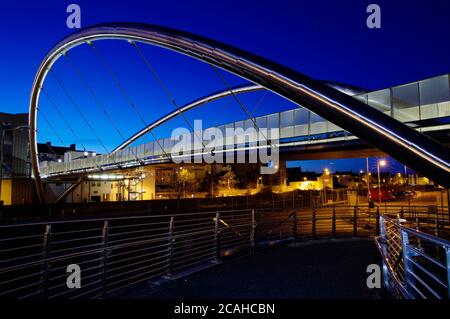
[(185, 183)]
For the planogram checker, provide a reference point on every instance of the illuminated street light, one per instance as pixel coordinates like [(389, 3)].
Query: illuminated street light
[(380, 163)]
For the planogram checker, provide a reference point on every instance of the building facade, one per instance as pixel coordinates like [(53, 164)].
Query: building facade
[(16, 184)]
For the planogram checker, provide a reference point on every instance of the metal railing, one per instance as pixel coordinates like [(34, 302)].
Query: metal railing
[(116, 252), (415, 264)]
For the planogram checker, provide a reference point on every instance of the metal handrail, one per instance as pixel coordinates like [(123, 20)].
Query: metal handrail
[(409, 282), (119, 251)]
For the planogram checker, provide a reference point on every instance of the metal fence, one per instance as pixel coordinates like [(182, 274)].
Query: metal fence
[(415, 264), (117, 252)]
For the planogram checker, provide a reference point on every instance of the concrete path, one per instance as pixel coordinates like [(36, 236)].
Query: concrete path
[(323, 269)]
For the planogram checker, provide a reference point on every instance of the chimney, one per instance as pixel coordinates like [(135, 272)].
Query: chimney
[(72, 147)]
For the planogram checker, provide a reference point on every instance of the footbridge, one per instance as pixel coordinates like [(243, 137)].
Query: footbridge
[(394, 121)]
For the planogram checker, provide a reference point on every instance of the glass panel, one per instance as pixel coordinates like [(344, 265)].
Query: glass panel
[(406, 102), (197, 140), (168, 143), (261, 122), (333, 127), (318, 124), (248, 123), (229, 136), (220, 140), (272, 120), (287, 118), (157, 148), (381, 100), (301, 116), (286, 123), (239, 124), (149, 149), (434, 97), (362, 97), (301, 121)]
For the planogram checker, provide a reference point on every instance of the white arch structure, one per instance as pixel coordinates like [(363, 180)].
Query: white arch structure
[(206, 99), (412, 148)]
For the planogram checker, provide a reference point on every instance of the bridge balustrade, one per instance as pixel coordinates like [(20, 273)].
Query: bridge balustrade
[(416, 265), (116, 252)]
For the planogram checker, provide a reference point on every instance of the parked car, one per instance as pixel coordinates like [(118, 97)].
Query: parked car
[(385, 195), (405, 194)]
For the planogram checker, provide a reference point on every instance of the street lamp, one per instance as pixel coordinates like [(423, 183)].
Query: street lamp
[(381, 163), (326, 172)]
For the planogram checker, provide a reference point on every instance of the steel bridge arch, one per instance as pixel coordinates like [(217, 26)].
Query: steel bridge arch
[(189, 106), (410, 147)]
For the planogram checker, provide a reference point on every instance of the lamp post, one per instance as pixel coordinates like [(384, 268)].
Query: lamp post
[(2, 138), (326, 173), (368, 180), (380, 163)]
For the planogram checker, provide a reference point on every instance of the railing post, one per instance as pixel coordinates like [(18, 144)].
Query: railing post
[(447, 253), (105, 232), (45, 255), (407, 265), (313, 220), (333, 222), (355, 221), (383, 233), (252, 233), (216, 251), (383, 243), (294, 224), (170, 248), (377, 222)]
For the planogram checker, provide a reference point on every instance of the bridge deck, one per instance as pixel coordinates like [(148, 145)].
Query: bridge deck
[(322, 269)]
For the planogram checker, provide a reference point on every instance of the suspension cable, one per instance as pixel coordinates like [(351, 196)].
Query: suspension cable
[(121, 88), (77, 138), (49, 146), (249, 115), (164, 87), (55, 132), (78, 109), (98, 102), (259, 103)]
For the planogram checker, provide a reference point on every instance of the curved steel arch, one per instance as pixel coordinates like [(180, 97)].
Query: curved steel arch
[(206, 99), (412, 148), (210, 98)]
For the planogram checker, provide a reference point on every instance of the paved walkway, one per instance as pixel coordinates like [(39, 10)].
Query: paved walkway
[(331, 269)]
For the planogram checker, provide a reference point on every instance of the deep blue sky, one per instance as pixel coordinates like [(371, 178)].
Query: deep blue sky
[(324, 39)]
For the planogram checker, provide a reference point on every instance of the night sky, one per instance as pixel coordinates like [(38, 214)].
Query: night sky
[(323, 39)]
